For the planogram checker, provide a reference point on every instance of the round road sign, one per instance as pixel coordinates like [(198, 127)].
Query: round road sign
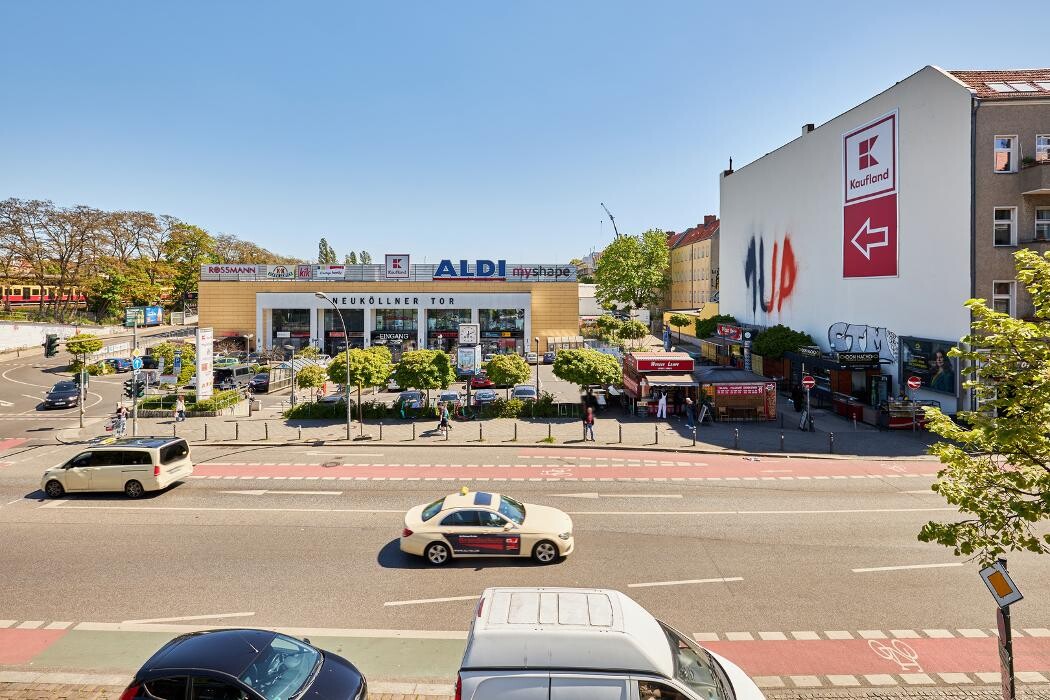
[(808, 382), (914, 382), (136, 363)]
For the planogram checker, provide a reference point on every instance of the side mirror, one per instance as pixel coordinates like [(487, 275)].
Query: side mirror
[(508, 527)]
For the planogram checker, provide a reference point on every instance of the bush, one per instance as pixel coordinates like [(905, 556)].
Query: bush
[(94, 368), (705, 328), (516, 408), (311, 409), (774, 342), (375, 410), (218, 401)]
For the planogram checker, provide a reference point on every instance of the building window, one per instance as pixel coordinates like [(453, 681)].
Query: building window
[(1004, 226), (392, 320), (1042, 148), (1006, 154), (1042, 224), (1003, 297)]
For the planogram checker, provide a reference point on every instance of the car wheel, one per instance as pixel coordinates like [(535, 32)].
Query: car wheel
[(545, 552), (437, 554), (53, 489), (133, 489)]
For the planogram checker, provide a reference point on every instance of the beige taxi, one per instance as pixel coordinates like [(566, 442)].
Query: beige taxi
[(484, 524)]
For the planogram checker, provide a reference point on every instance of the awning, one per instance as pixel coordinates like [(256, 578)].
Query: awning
[(677, 379)]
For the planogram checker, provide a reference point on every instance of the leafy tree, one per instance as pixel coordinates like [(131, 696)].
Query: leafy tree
[(326, 254), (187, 248), (310, 377), (705, 328), (507, 370), (367, 368), (83, 344), (188, 357), (634, 270), (351, 258), (366, 257), (308, 353), (679, 321), (632, 330), (585, 366), (424, 370), (996, 460), (774, 342), (608, 326)]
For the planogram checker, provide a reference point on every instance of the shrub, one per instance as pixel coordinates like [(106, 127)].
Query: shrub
[(218, 401), (311, 409), (774, 342), (705, 328), (94, 368)]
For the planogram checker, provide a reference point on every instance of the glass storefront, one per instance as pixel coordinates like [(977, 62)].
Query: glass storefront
[(290, 327), (443, 328), (396, 329), (502, 331), (334, 342)]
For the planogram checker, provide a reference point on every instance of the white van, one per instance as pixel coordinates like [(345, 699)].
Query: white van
[(586, 644), (131, 465)]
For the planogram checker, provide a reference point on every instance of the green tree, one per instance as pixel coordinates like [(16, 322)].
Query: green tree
[(507, 370), (632, 330), (83, 344), (310, 377), (585, 366), (634, 270), (351, 258), (186, 249), (424, 370), (187, 355), (705, 328), (774, 342), (679, 321), (361, 368), (307, 353), (608, 326), (326, 254), (996, 460), (366, 257)]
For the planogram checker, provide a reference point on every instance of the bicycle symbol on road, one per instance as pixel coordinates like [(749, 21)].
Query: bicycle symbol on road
[(557, 472), (899, 652)]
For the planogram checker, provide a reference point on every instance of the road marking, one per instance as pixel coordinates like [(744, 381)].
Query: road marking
[(262, 492), (345, 454), (187, 618), (909, 566), (593, 495), (684, 582), (291, 631), (39, 386), (763, 512), (7, 403), (929, 491), (423, 601), (65, 506)]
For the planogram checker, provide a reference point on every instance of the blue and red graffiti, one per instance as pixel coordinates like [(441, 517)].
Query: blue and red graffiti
[(783, 271)]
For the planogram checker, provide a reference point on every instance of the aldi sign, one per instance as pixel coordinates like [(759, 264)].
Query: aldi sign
[(869, 199), (480, 270)]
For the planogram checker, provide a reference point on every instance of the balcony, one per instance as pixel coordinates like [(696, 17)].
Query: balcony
[(1035, 179)]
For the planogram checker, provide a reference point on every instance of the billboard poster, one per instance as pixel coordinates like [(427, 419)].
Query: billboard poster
[(928, 360), (152, 315), (468, 359), (280, 271), (330, 272), (869, 199), (205, 350)]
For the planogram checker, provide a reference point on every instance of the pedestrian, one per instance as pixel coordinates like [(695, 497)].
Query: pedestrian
[(690, 413), (440, 406), (180, 409), (121, 421), (443, 422), (661, 405), (588, 425)]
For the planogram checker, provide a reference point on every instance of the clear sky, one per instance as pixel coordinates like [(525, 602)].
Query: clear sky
[(447, 129)]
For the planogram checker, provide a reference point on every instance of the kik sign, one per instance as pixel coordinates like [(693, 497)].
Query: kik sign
[(480, 270), (869, 205)]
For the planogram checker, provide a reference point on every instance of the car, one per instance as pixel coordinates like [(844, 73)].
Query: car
[(221, 362), (239, 355), (119, 364), (484, 396), (323, 359), (532, 358), (450, 397), (537, 643), (232, 377), (481, 381), (245, 664), (255, 358), (409, 403), (548, 357), (62, 395), (480, 523), (150, 362), (489, 357), (132, 465), (523, 392), (260, 383)]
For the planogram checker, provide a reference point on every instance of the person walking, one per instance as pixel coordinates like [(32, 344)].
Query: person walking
[(180, 409), (444, 425), (121, 422), (690, 413), (661, 405), (588, 425)]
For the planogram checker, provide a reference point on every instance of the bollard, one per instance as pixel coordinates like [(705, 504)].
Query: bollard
[(854, 424), (621, 433), (782, 442), (237, 431), (447, 431), (656, 434), (205, 431), (380, 430), (736, 438), (694, 436), (173, 429), (481, 433), (831, 443), (266, 429), (300, 432), (413, 431), (515, 431), (781, 419), (549, 430)]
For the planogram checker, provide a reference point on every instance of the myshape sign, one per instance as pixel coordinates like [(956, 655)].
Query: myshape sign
[(396, 266), (869, 199)]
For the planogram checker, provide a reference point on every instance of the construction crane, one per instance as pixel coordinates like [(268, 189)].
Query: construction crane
[(615, 230)]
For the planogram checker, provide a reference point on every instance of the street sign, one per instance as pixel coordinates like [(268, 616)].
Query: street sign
[(869, 205), (808, 382), (136, 363), (914, 382), (136, 352), (1000, 585)]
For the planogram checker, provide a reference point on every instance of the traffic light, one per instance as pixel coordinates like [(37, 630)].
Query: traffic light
[(134, 389), (51, 345)]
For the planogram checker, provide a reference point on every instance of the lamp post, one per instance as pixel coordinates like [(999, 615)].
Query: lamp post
[(291, 347), (537, 339), (346, 340)]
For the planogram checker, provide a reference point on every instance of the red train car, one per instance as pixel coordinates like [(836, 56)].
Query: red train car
[(32, 294)]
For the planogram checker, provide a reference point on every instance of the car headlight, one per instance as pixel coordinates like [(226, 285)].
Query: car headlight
[(565, 535)]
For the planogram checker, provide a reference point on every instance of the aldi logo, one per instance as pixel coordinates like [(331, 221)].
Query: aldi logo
[(396, 267)]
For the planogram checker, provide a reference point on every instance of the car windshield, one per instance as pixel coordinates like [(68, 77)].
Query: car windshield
[(64, 386), (281, 669), (433, 509), (512, 509), (695, 667)]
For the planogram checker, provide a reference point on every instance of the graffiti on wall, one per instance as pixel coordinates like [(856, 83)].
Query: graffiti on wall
[(858, 337), (783, 270)]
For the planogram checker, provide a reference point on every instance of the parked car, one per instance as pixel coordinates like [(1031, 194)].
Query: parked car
[(409, 403), (118, 364), (451, 397), (255, 358), (548, 357), (239, 355), (150, 362), (62, 395), (260, 383), (484, 396), (224, 361), (488, 357), (481, 381), (597, 644), (131, 465), (523, 392), (245, 664), (532, 358), (232, 377)]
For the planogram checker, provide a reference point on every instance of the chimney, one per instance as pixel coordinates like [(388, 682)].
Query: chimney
[(709, 219), (806, 128)]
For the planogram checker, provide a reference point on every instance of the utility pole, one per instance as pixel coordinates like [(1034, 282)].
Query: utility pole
[(83, 389)]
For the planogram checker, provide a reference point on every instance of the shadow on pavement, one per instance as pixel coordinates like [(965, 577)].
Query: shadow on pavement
[(391, 557)]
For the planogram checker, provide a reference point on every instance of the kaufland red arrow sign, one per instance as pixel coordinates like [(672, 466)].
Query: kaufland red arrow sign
[(869, 199)]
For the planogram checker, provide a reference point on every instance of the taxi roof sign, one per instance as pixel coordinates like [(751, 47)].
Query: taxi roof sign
[(1000, 585)]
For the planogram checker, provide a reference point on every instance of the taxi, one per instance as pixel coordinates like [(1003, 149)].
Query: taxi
[(483, 524)]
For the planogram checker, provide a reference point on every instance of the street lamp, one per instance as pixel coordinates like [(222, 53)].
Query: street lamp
[(346, 341), (291, 347), (537, 339)]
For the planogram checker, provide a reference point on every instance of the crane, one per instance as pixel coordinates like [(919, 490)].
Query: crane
[(615, 230)]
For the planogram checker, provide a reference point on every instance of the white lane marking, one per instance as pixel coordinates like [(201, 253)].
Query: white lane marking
[(909, 566), (345, 454), (4, 375), (187, 618), (35, 398), (291, 631), (423, 601), (7, 403), (30, 625), (761, 512), (593, 495), (262, 492), (56, 504), (684, 582)]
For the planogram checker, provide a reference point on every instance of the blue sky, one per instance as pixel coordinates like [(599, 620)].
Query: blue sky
[(446, 130)]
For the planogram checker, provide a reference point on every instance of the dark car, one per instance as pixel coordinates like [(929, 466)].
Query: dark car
[(119, 364), (481, 381), (484, 396), (409, 403), (548, 357), (150, 362), (242, 664), (62, 395), (260, 383)]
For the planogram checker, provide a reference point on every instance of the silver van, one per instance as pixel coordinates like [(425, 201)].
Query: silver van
[(236, 377), (131, 465)]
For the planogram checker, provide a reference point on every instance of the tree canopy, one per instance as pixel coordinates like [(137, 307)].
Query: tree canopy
[(633, 270), (425, 370), (774, 342), (187, 354), (632, 330), (368, 367), (679, 321), (585, 366), (326, 254), (83, 344), (507, 370), (310, 377), (996, 460), (705, 328), (608, 326)]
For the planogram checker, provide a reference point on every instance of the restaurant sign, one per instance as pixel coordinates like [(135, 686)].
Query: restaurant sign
[(660, 364), (731, 332), (739, 389), (857, 359)]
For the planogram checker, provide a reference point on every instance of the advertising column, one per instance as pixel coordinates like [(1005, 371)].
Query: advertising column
[(205, 349)]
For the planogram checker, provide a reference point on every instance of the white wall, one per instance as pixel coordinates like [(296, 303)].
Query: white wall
[(31, 335), (796, 192)]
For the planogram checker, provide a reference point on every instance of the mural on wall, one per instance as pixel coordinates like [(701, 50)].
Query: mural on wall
[(783, 270), (858, 337)]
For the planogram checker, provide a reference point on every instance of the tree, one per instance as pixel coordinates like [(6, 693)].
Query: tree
[(187, 355), (585, 366), (361, 368), (326, 254), (773, 342), (608, 326), (366, 258), (83, 344), (424, 370), (996, 460), (632, 330), (507, 370), (679, 321), (633, 270), (309, 352), (351, 258), (311, 376), (706, 327), (187, 248)]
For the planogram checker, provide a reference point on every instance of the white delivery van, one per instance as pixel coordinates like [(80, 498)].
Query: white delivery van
[(586, 644)]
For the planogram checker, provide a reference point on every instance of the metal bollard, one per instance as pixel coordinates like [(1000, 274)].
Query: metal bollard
[(549, 430), (380, 430), (173, 429), (736, 438), (237, 431), (831, 443), (656, 434), (782, 442), (300, 432), (205, 431), (781, 419), (413, 431), (266, 429), (515, 431), (481, 432), (621, 433), (854, 424), (694, 436)]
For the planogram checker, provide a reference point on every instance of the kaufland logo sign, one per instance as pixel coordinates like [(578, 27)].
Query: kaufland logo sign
[(871, 159), (869, 199), (396, 266)]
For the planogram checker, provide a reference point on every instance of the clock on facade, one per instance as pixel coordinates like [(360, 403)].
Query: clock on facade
[(468, 333)]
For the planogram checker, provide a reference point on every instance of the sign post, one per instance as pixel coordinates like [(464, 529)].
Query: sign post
[(913, 384), (808, 382), (1006, 593)]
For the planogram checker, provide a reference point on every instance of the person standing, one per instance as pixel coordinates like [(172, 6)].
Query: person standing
[(180, 409), (121, 422), (690, 413), (588, 425), (661, 405)]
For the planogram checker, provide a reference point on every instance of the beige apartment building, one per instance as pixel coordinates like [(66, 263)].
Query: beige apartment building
[(694, 266)]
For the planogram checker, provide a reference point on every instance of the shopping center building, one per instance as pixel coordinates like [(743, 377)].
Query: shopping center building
[(397, 304)]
